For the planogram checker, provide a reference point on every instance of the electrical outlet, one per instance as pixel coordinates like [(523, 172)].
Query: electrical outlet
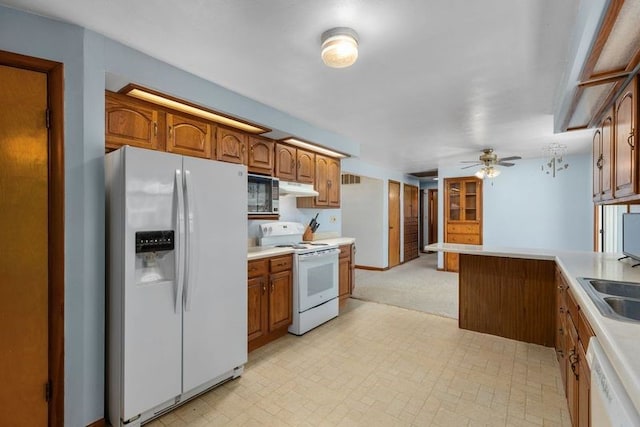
[(332, 219)]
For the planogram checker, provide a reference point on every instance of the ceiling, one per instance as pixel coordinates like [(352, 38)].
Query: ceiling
[(435, 82)]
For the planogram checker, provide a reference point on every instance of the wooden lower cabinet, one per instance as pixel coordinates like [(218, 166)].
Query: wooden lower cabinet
[(346, 266), (270, 297), (572, 340)]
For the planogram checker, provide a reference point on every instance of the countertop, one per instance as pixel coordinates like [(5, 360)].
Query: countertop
[(257, 252), (620, 340)]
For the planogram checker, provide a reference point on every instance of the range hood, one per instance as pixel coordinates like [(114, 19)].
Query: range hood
[(297, 189)]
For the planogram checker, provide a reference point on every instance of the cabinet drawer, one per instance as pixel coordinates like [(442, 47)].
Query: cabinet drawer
[(258, 267), (463, 228), (584, 329), (345, 251), (469, 239), (280, 264)]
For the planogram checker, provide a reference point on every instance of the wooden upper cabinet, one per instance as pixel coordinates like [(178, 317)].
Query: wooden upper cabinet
[(285, 157), (305, 162), (333, 183), (231, 146), (322, 180), (188, 136), (626, 156), (602, 159), (130, 123), (261, 155)]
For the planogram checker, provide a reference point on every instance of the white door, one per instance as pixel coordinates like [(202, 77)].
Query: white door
[(152, 319), (215, 294)]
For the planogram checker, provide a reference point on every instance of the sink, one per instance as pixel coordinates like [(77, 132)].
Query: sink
[(625, 307), (614, 299), (620, 289)]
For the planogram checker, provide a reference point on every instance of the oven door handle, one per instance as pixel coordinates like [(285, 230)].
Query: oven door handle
[(318, 255)]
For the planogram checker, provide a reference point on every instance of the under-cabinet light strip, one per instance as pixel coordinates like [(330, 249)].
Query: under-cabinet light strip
[(313, 147), (189, 109)]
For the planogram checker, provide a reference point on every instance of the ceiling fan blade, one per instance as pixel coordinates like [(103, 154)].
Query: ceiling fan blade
[(510, 158), (471, 161), (507, 164), (471, 166)]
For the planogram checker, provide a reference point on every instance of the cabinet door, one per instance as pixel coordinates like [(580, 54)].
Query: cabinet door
[(344, 277), (280, 299), (597, 164), (130, 123), (333, 183), (231, 146), (470, 201), (451, 261), (188, 136), (584, 388), (305, 166), (322, 178), (561, 310), (257, 310), (624, 146), (285, 162), (572, 369), (453, 191), (606, 187), (261, 155)]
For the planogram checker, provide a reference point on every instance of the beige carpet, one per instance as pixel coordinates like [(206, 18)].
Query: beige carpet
[(416, 285)]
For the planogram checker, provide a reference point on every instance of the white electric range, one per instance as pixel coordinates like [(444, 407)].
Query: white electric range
[(315, 274)]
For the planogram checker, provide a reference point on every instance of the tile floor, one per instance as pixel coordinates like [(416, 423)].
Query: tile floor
[(379, 365)]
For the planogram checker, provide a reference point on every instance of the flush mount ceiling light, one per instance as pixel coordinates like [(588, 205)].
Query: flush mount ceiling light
[(339, 47)]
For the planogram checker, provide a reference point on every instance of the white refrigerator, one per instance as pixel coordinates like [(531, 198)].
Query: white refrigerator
[(176, 279)]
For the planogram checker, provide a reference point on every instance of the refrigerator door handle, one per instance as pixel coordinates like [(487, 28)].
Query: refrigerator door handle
[(189, 285), (180, 243)]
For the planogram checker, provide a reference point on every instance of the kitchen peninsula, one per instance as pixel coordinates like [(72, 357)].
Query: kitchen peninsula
[(493, 270)]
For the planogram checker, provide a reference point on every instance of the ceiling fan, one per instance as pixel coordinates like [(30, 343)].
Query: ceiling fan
[(488, 159)]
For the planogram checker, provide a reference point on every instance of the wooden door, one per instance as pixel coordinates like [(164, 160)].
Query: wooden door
[(333, 183), (188, 136), (231, 146), (394, 224), (128, 122), (305, 161), (257, 307), (625, 139), (286, 168), (606, 185), (24, 267), (261, 155), (322, 178), (280, 299), (432, 234)]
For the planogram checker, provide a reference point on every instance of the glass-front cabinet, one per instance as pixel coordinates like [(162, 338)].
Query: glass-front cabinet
[(463, 215)]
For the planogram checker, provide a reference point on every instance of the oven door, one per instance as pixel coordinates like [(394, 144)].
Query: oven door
[(317, 278)]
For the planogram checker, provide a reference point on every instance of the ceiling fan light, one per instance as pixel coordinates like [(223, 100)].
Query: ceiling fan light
[(492, 172), (480, 174), (339, 47)]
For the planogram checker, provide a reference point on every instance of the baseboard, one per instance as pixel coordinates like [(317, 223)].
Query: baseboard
[(98, 423), (366, 267)]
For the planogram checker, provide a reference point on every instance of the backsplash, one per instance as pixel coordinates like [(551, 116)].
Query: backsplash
[(330, 220)]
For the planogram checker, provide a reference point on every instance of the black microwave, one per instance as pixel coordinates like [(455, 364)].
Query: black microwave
[(263, 195)]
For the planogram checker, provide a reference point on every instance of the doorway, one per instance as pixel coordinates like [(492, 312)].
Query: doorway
[(394, 223), (32, 290)]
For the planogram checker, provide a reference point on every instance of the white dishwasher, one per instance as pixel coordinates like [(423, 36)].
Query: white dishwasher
[(610, 403)]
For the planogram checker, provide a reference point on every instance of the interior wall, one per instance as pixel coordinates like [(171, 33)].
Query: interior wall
[(525, 208), (362, 215)]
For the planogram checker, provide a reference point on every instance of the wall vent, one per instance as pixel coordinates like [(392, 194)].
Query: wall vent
[(350, 179)]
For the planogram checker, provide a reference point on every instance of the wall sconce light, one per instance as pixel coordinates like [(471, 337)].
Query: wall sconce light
[(487, 172), (339, 47), (554, 161)]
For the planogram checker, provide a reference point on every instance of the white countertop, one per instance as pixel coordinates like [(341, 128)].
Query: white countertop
[(257, 252), (620, 340)]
